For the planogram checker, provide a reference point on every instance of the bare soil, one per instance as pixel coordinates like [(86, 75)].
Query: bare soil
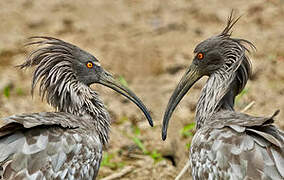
[(149, 43)]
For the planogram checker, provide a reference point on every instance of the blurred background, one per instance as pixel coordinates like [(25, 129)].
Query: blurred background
[(147, 45)]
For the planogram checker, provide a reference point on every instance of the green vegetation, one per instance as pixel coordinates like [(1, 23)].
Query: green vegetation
[(155, 155), (108, 162), (6, 91), (140, 145), (122, 81), (188, 146), (239, 97), (122, 120), (186, 131)]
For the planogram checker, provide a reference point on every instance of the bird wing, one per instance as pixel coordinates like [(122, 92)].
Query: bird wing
[(238, 146), (43, 118), (39, 146), (260, 126), (13, 123)]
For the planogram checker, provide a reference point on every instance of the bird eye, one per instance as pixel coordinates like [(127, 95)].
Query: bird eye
[(200, 56), (89, 65)]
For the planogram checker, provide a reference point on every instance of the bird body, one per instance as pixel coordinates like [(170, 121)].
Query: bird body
[(237, 146), (66, 144), (227, 144), (35, 149)]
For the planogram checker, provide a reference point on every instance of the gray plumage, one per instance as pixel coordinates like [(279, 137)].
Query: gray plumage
[(227, 144), (66, 144)]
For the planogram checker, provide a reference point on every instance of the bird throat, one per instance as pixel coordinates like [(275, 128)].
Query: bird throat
[(80, 100)]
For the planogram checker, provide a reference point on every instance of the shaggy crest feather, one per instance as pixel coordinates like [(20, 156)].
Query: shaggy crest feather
[(235, 71), (58, 83)]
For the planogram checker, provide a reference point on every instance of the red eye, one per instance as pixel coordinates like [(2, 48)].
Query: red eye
[(89, 65), (200, 56)]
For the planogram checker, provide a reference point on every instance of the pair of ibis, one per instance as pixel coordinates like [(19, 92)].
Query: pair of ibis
[(67, 144)]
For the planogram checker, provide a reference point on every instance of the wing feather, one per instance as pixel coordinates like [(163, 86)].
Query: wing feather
[(244, 146), (48, 145)]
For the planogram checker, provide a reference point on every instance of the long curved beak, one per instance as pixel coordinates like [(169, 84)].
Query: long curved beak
[(107, 80), (189, 78)]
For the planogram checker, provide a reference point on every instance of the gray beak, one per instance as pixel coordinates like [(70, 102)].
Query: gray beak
[(189, 78), (107, 80)]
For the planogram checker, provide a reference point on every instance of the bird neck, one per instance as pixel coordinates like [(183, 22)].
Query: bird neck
[(80, 100), (218, 94), (228, 101)]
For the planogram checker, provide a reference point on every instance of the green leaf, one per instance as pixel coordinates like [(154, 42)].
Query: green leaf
[(186, 130), (139, 143), (136, 130), (106, 161), (239, 96), (7, 91), (188, 146), (122, 81), (156, 156)]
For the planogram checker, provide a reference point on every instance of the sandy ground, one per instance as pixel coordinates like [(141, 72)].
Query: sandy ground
[(150, 44)]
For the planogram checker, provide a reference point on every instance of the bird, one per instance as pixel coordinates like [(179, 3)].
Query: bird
[(67, 143), (227, 144)]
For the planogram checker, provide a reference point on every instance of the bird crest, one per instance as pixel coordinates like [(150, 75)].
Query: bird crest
[(232, 76), (54, 71)]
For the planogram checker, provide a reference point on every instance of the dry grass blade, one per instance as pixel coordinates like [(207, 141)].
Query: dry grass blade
[(183, 171), (120, 174), (248, 107)]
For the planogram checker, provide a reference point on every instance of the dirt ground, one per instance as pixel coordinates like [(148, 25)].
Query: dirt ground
[(149, 43)]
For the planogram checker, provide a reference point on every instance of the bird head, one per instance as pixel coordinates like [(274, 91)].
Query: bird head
[(60, 64), (219, 54)]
